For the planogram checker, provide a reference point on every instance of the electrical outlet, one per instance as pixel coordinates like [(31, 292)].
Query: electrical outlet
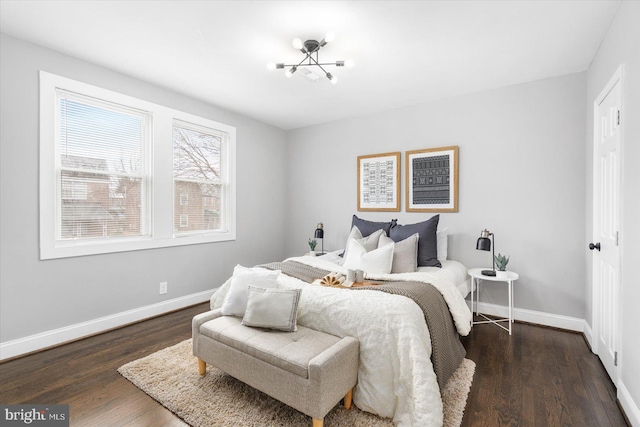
[(163, 288)]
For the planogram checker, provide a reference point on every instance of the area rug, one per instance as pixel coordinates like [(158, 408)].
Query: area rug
[(171, 377)]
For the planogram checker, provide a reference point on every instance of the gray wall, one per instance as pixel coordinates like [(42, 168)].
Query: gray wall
[(522, 169), (621, 45), (39, 296)]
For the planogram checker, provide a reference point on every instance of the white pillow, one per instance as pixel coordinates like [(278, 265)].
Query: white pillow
[(235, 302), (405, 253), (370, 242), (377, 261), (272, 308), (441, 245)]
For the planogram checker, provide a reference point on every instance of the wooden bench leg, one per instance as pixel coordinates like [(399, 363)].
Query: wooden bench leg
[(348, 399), (202, 366), (317, 423)]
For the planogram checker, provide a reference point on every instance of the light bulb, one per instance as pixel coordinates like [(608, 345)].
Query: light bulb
[(349, 63), (290, 71), (329, 37), (297, 43), (333, 78), (271, 66)]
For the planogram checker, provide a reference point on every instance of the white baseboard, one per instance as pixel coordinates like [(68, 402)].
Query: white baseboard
[(46, 339), (531, 316), (630, 407), (588, 334)]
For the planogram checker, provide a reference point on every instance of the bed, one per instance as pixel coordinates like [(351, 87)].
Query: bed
[(396, 378)]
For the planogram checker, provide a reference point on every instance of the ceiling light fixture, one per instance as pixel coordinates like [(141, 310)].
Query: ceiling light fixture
[(311, 49)]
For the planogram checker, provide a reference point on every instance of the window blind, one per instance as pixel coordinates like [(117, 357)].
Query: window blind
[(101, 189)]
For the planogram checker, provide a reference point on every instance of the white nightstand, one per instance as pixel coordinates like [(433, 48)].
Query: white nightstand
[(508, 278)]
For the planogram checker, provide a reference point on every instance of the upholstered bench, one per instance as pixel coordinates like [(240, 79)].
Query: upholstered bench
[(307, 369)]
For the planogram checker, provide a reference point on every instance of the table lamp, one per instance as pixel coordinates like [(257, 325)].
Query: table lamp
[(484, 244), (319, 234)]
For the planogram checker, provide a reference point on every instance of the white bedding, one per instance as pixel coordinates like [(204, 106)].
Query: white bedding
[(453, 270), (395, 378)]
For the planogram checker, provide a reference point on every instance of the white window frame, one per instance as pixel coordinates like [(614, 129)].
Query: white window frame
[(160, 185), (222, 181)]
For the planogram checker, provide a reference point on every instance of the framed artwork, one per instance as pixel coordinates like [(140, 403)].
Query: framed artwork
[(379, 182), (432, 180)]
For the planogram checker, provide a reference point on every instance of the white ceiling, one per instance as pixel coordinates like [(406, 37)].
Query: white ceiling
[(406, 52)]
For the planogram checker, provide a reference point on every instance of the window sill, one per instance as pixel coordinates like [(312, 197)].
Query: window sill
[(76, 248)]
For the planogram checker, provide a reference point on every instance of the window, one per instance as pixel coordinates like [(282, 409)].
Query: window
[(74, 189), (197, 160), (118, 173), (102, 187)]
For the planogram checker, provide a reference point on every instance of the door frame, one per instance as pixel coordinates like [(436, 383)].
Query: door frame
[(617, 77)]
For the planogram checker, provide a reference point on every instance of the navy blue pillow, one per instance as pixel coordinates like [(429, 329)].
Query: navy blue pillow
[(369, 227), (427, 243)]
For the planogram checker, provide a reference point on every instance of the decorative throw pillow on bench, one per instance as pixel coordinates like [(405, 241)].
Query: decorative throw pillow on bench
[(235, 302), (272, 308)]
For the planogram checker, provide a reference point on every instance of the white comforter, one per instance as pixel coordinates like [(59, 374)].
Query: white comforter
[(395, 378)]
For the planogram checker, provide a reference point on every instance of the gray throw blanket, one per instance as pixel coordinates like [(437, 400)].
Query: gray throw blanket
[(447, 350)]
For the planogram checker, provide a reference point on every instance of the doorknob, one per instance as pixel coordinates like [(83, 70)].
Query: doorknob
[(596, 246)]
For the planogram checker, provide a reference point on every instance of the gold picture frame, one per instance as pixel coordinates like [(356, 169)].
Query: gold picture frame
[(431, 182), (379, 182)]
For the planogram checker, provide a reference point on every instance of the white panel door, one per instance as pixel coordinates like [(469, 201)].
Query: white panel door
[(606, 219)]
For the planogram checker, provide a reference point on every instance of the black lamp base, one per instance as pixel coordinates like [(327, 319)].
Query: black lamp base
[(488, 273)]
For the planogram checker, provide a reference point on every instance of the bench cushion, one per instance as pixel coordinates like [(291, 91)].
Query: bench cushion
[(290, 351)]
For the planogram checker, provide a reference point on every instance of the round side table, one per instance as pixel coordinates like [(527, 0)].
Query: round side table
[(476, 277)]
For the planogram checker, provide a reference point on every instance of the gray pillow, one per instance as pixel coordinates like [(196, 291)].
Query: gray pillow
[(368, 227), (427, 243), (272, 308), (405, 253)]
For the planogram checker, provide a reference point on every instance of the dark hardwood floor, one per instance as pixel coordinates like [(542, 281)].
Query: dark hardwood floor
[(537, 377)]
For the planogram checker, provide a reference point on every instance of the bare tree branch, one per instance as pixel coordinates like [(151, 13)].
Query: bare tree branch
[(195, 154)]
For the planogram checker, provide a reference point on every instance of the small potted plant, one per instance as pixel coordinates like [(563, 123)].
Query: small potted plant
[(501, 264), (312, 245)]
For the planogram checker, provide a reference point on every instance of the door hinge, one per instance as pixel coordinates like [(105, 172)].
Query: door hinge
[(616, 238), (618, 117), (615, 358)]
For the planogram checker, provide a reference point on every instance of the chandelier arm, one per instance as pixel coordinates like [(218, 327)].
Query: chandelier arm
[(318, 64), (301, 62), (310, 65)]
